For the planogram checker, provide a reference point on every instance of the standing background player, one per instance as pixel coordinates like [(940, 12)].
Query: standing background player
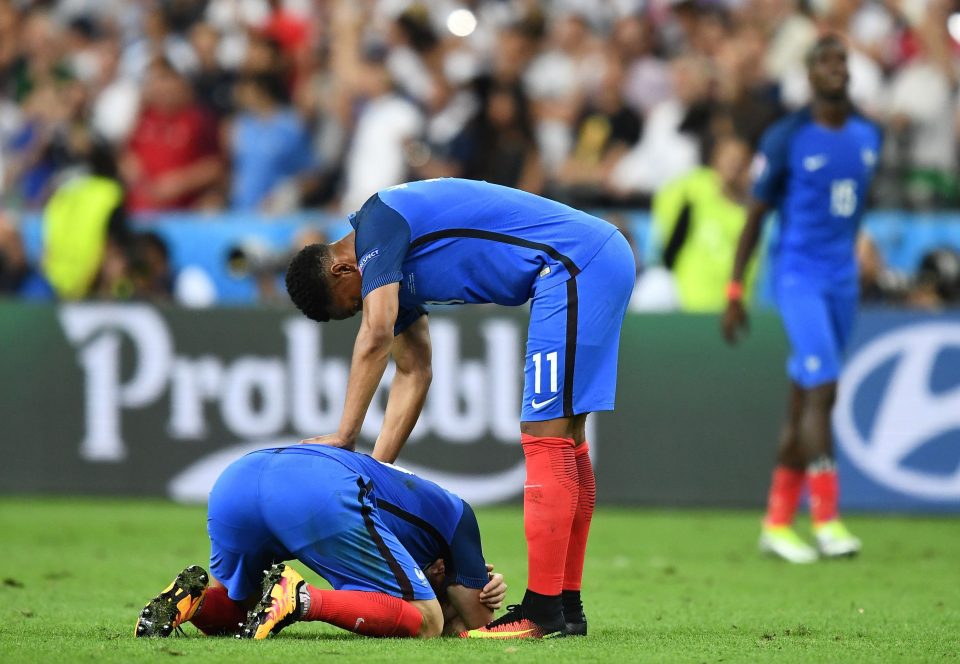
[(814, 167), (453, 241)]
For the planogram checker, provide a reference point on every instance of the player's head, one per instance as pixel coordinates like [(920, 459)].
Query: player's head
[(324, 285), (827, 68)]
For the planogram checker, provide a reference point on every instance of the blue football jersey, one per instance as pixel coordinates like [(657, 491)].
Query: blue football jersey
[(429, 521), (818, 179), (454, 241)]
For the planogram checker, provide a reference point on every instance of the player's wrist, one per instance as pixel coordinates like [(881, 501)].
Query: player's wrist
[(735, 291)]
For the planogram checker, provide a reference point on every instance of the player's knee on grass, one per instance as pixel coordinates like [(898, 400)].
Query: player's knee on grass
[(432, 625)]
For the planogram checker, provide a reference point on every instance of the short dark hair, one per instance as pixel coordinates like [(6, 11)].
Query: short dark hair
[(307, 282), (826, 41)]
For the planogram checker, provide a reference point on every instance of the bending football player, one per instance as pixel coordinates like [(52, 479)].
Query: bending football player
[(403, 555), (453, 241)]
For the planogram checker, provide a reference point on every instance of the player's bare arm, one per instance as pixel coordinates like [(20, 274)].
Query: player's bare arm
[(412, 356), (370, 354), (735, 320), (466, 608)]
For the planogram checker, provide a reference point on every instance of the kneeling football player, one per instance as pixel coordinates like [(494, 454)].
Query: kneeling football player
[(403, 555)]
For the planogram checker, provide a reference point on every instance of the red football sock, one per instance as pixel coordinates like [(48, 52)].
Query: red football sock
[(577, 549), (824, 493), (549, 503), (785, 490), (218, 615), (366, 613)]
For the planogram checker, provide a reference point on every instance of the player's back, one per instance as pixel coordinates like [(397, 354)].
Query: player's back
[(423, 515), (473, 241), (818, 178)]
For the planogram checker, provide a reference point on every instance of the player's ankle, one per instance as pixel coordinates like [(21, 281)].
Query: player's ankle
[(545, 610), (572, 605), (305, 601)]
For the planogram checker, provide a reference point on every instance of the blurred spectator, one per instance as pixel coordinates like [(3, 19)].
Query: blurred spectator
[(647, 77), (384, 128), (157, 42), (790, 33), (290, 29), (114, 280), (84, 226), (698, 219), (265, 58), (212, 82), (414, 58), (269, 144), (17, 277), (604, 132), (746, 102), (878, 283), (558, 79), (172, 159), (115, 98), (40, 62), (43, 146), (80, 45), (937, 283), (149, 265), (666, 150), (497, 145), (9, 41), (921, 109)]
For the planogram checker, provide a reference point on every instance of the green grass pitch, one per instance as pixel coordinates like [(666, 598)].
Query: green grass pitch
[(661, 586)]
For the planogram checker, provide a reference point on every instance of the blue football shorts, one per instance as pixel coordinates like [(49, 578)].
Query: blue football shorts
[(570, 366), (270, 506), (818, 322)]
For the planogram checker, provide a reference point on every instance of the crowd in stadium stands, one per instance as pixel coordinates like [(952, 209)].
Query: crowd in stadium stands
[(276, 105)]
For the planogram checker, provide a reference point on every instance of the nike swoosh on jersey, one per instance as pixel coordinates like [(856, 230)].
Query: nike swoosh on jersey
[(538, 406), (815, 162)]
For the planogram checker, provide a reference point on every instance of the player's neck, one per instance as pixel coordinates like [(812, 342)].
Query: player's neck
[(345, 247), (831, 113)]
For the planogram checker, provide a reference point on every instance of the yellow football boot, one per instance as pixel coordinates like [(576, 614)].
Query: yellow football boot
[(175, 605), (278, 607)]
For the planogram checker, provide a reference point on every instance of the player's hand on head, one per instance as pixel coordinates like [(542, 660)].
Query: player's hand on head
[(495, 591), (735, 322)]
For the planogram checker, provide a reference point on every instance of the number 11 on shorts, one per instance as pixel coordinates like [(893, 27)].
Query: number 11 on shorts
[(552, 361)]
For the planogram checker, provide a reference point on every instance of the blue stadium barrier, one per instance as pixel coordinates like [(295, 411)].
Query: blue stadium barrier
[(204, 240)]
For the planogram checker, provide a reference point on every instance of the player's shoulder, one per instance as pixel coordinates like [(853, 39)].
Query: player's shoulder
[(865, 127), (780, 133)]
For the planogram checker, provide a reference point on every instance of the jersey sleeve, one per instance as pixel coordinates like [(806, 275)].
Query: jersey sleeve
[(470, 568), (383, 237), (770, 165)]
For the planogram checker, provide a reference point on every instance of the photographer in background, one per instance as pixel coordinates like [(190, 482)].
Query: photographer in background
[(253, 257)]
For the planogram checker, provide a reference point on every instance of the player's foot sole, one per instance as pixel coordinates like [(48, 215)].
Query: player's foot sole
[(175, 605), (835, 541), (279, 606), (783, 542)]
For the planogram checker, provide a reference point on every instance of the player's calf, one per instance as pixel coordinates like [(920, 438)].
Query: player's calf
[(175, 605), (287, 599)]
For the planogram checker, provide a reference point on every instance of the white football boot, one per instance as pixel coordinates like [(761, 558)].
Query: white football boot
[(835, 541), (783, 542)]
